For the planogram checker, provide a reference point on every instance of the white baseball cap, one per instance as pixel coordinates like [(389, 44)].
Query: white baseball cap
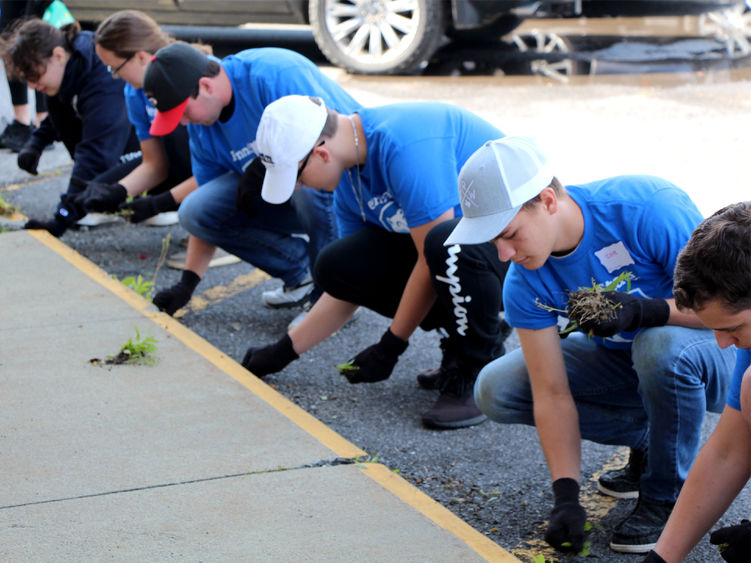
[(494, 183), (288, 130)]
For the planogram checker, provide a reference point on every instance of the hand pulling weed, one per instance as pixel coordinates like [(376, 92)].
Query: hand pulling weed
[(589, 303)]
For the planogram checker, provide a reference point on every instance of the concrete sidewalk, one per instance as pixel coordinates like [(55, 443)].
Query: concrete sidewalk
[(192, 459)]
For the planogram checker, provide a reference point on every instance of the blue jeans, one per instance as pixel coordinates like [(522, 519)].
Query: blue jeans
[(652, 397), (270, 240)]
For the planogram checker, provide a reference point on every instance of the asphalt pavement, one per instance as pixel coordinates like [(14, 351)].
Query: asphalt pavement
[(690, 128)]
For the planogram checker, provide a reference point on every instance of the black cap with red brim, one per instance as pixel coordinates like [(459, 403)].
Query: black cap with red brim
[(170, 79)]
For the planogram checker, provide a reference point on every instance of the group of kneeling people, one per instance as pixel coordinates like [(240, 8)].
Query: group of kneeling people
[(429, 215)]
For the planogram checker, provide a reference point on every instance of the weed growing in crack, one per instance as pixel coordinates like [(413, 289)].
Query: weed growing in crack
[(136, 351)]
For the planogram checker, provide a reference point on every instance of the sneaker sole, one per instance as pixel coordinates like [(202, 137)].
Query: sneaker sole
[(629, 548), (616, 494), (285, 305), (440, 425), (162, 219)]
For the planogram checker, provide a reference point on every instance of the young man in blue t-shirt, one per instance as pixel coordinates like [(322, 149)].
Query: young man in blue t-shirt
[(221, 103), (713, 278), (393, 170), (643, 375)]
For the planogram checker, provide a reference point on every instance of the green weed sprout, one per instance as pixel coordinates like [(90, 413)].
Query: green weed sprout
[(347, 367), (6, 209), (136, 351), (589, 303), (142, 287)]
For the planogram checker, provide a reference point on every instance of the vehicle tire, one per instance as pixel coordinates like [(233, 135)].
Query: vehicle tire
[(378, 36)]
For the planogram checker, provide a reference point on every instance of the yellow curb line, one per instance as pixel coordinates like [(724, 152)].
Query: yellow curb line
[(392, 482), (436, 512)]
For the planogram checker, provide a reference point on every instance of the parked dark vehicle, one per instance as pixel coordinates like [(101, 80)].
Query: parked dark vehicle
[(383, 36)]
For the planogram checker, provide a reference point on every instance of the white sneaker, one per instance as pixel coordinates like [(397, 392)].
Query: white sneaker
[(286, 297), (162, 219), (221, 258), (94, 219)]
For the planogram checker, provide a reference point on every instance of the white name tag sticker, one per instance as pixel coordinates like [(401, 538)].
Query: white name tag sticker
[(614, 257)]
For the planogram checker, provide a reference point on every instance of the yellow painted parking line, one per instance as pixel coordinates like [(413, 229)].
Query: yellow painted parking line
[(219, 293), (395, 484), (32, 181), (436, 512)]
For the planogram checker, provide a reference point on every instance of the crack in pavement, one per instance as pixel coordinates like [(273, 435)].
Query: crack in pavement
[(327, 462)]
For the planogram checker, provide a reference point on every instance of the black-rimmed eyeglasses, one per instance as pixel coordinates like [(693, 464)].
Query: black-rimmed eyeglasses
[(114, 71), (307, 157)]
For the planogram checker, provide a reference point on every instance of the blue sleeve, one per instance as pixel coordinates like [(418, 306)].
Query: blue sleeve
[(522, 301), (742, 363), (138, 113)]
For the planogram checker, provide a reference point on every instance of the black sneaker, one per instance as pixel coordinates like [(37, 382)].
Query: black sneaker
[(638, 533), (455, 407), (15, 135), (433, 378), (624, 482)]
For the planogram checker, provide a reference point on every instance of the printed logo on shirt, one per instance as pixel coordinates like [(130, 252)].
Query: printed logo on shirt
[(392, 218), (614, 257), (244, 153), (266, 159)]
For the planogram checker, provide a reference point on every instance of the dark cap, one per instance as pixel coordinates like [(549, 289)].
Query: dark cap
[(170, 78)]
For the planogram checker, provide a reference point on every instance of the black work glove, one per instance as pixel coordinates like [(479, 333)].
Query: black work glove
[(171, 299), (141, 208), (734, 542), (653, 557), (249, 187), (101, 198), (629, 313), (567, 519), (376, 362), (270, 359), (28, 159)]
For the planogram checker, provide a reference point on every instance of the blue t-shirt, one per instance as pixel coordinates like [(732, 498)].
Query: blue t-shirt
[(634, 224), (742, 362), (410, 176), (140, 111), (258, 77)]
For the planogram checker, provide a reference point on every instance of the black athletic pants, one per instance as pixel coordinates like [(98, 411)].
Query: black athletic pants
[(371, 268)]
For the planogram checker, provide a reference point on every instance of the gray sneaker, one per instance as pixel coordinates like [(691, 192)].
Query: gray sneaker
[(287, 297), (638, 533)]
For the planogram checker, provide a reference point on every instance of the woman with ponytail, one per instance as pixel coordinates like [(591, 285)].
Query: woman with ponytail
[(126, 42)]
